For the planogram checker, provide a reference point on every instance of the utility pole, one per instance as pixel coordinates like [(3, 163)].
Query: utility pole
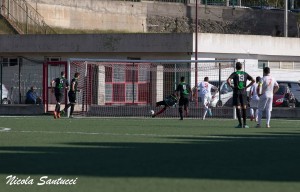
[(196, 52), (286, 18)]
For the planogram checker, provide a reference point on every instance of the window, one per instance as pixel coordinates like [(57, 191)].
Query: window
[(287, 65), (297, 65), (127, 83), (279, 65), (262, 64), (274, 64), (7, 62), (119, 73), (52, 58)]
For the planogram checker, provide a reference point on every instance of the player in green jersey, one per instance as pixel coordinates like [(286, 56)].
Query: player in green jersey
[(58, 87), (239, 87), (72, 94), (184, 91)]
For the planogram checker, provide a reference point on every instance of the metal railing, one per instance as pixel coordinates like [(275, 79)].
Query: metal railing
[(255, 4), (23, 17)]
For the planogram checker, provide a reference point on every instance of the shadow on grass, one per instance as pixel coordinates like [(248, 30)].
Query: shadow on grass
[(267, 158)]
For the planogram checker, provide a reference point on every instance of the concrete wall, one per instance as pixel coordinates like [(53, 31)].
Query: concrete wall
[(151, 16), (21, 109), (209, 45), (93, 14), (100, 43), (250, 48), (249, 45)]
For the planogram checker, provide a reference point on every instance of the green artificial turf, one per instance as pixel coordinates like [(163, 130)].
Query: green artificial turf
[(157, 155)]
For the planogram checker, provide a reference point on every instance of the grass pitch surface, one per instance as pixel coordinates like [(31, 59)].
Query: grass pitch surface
[(155, 155)]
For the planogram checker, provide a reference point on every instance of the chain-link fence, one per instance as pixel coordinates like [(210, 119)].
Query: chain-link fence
[(17, 76)]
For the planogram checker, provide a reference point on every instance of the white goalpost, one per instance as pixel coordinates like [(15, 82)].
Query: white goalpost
[(131, 88)]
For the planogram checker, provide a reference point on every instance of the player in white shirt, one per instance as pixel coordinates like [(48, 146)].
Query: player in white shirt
[(266, 89), (254, 99), (204, 91)]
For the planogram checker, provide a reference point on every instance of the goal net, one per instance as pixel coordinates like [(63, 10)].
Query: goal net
[(131, 88)]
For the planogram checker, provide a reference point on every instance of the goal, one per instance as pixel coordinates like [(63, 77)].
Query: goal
[(131, 88)]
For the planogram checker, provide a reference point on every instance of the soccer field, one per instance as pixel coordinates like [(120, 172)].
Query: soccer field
[(140, 154)]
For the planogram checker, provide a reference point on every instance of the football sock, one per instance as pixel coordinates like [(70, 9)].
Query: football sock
[(72, 109), (205, 112), (259, 117), (238, 114), (186, 112), (162, 110), (244, 116), (251, 112), (57, 107), (180, 112), (256, 114), (268, 117)]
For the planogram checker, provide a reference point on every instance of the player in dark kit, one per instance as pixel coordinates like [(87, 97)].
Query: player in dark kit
[(72, 94), (58, 86), (184, 91), (239, 87), (167, 102)]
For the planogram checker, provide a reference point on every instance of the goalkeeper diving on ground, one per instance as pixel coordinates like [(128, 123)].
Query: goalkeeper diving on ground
[(169, 101)]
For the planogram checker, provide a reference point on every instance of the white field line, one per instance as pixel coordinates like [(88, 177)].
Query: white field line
[(133, 118), (2, 129)]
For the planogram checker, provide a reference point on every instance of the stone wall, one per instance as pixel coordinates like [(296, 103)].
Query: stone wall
[(151, 16), (226, 20)]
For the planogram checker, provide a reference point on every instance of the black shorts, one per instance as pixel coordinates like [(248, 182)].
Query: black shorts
[(161, 103), (183, 102), (59, 97), (239, 99), (72, 97)]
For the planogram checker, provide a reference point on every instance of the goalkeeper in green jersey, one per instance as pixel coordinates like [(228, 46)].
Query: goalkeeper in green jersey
[(169, 101)]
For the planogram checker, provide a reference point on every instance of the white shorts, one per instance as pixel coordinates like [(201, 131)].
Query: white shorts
[(254, 103), (205, 99), (265, 103)]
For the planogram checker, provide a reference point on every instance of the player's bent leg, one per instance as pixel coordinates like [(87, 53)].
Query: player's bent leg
[(160, 111), (56, 111), (72, 109), (180, 112), (259, 118), (186, 109), (256, 115), (251, 114), (54, 114), (205, 109)]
